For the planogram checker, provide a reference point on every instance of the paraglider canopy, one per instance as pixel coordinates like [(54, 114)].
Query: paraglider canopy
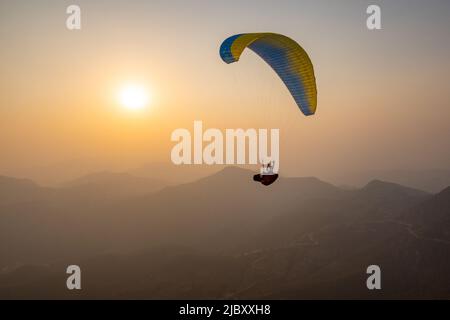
[(286, 57)]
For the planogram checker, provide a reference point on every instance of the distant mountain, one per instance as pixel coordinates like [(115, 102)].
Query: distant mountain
[(381, 189), (388, 196), (322, 250), (429, 180), (113, 184), (215, 212), (376, 201), (13, 190), (225, 236), (431, 219), (56, 173), (175, 174)]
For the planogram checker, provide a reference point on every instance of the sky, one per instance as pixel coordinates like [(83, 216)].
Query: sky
[(383, 95)]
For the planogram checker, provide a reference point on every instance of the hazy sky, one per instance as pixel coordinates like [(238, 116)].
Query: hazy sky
[(383, 103)]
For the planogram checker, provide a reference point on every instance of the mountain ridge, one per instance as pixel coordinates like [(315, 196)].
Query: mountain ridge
[(299, 238)]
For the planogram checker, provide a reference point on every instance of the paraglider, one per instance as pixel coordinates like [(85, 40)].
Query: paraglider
[(292, 64), (267, 176)]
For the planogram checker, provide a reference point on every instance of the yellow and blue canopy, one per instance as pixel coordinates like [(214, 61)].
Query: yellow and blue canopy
[(286, 57)]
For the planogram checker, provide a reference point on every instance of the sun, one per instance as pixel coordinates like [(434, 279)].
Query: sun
[(134, 97)]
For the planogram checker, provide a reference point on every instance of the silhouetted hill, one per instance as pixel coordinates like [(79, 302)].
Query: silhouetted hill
[(429, 180), (13, 190), (328, 257), (175, 174), (388, 197), (381, 189), (354, 209), (225, 236), (215, 213), (113, 184), (432, 218)]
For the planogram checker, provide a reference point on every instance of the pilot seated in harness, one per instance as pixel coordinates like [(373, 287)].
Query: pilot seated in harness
[(267, 176)]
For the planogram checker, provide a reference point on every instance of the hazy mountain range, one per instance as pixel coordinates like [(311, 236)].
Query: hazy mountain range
[(58, 174), (428, 180), (222, 236)]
